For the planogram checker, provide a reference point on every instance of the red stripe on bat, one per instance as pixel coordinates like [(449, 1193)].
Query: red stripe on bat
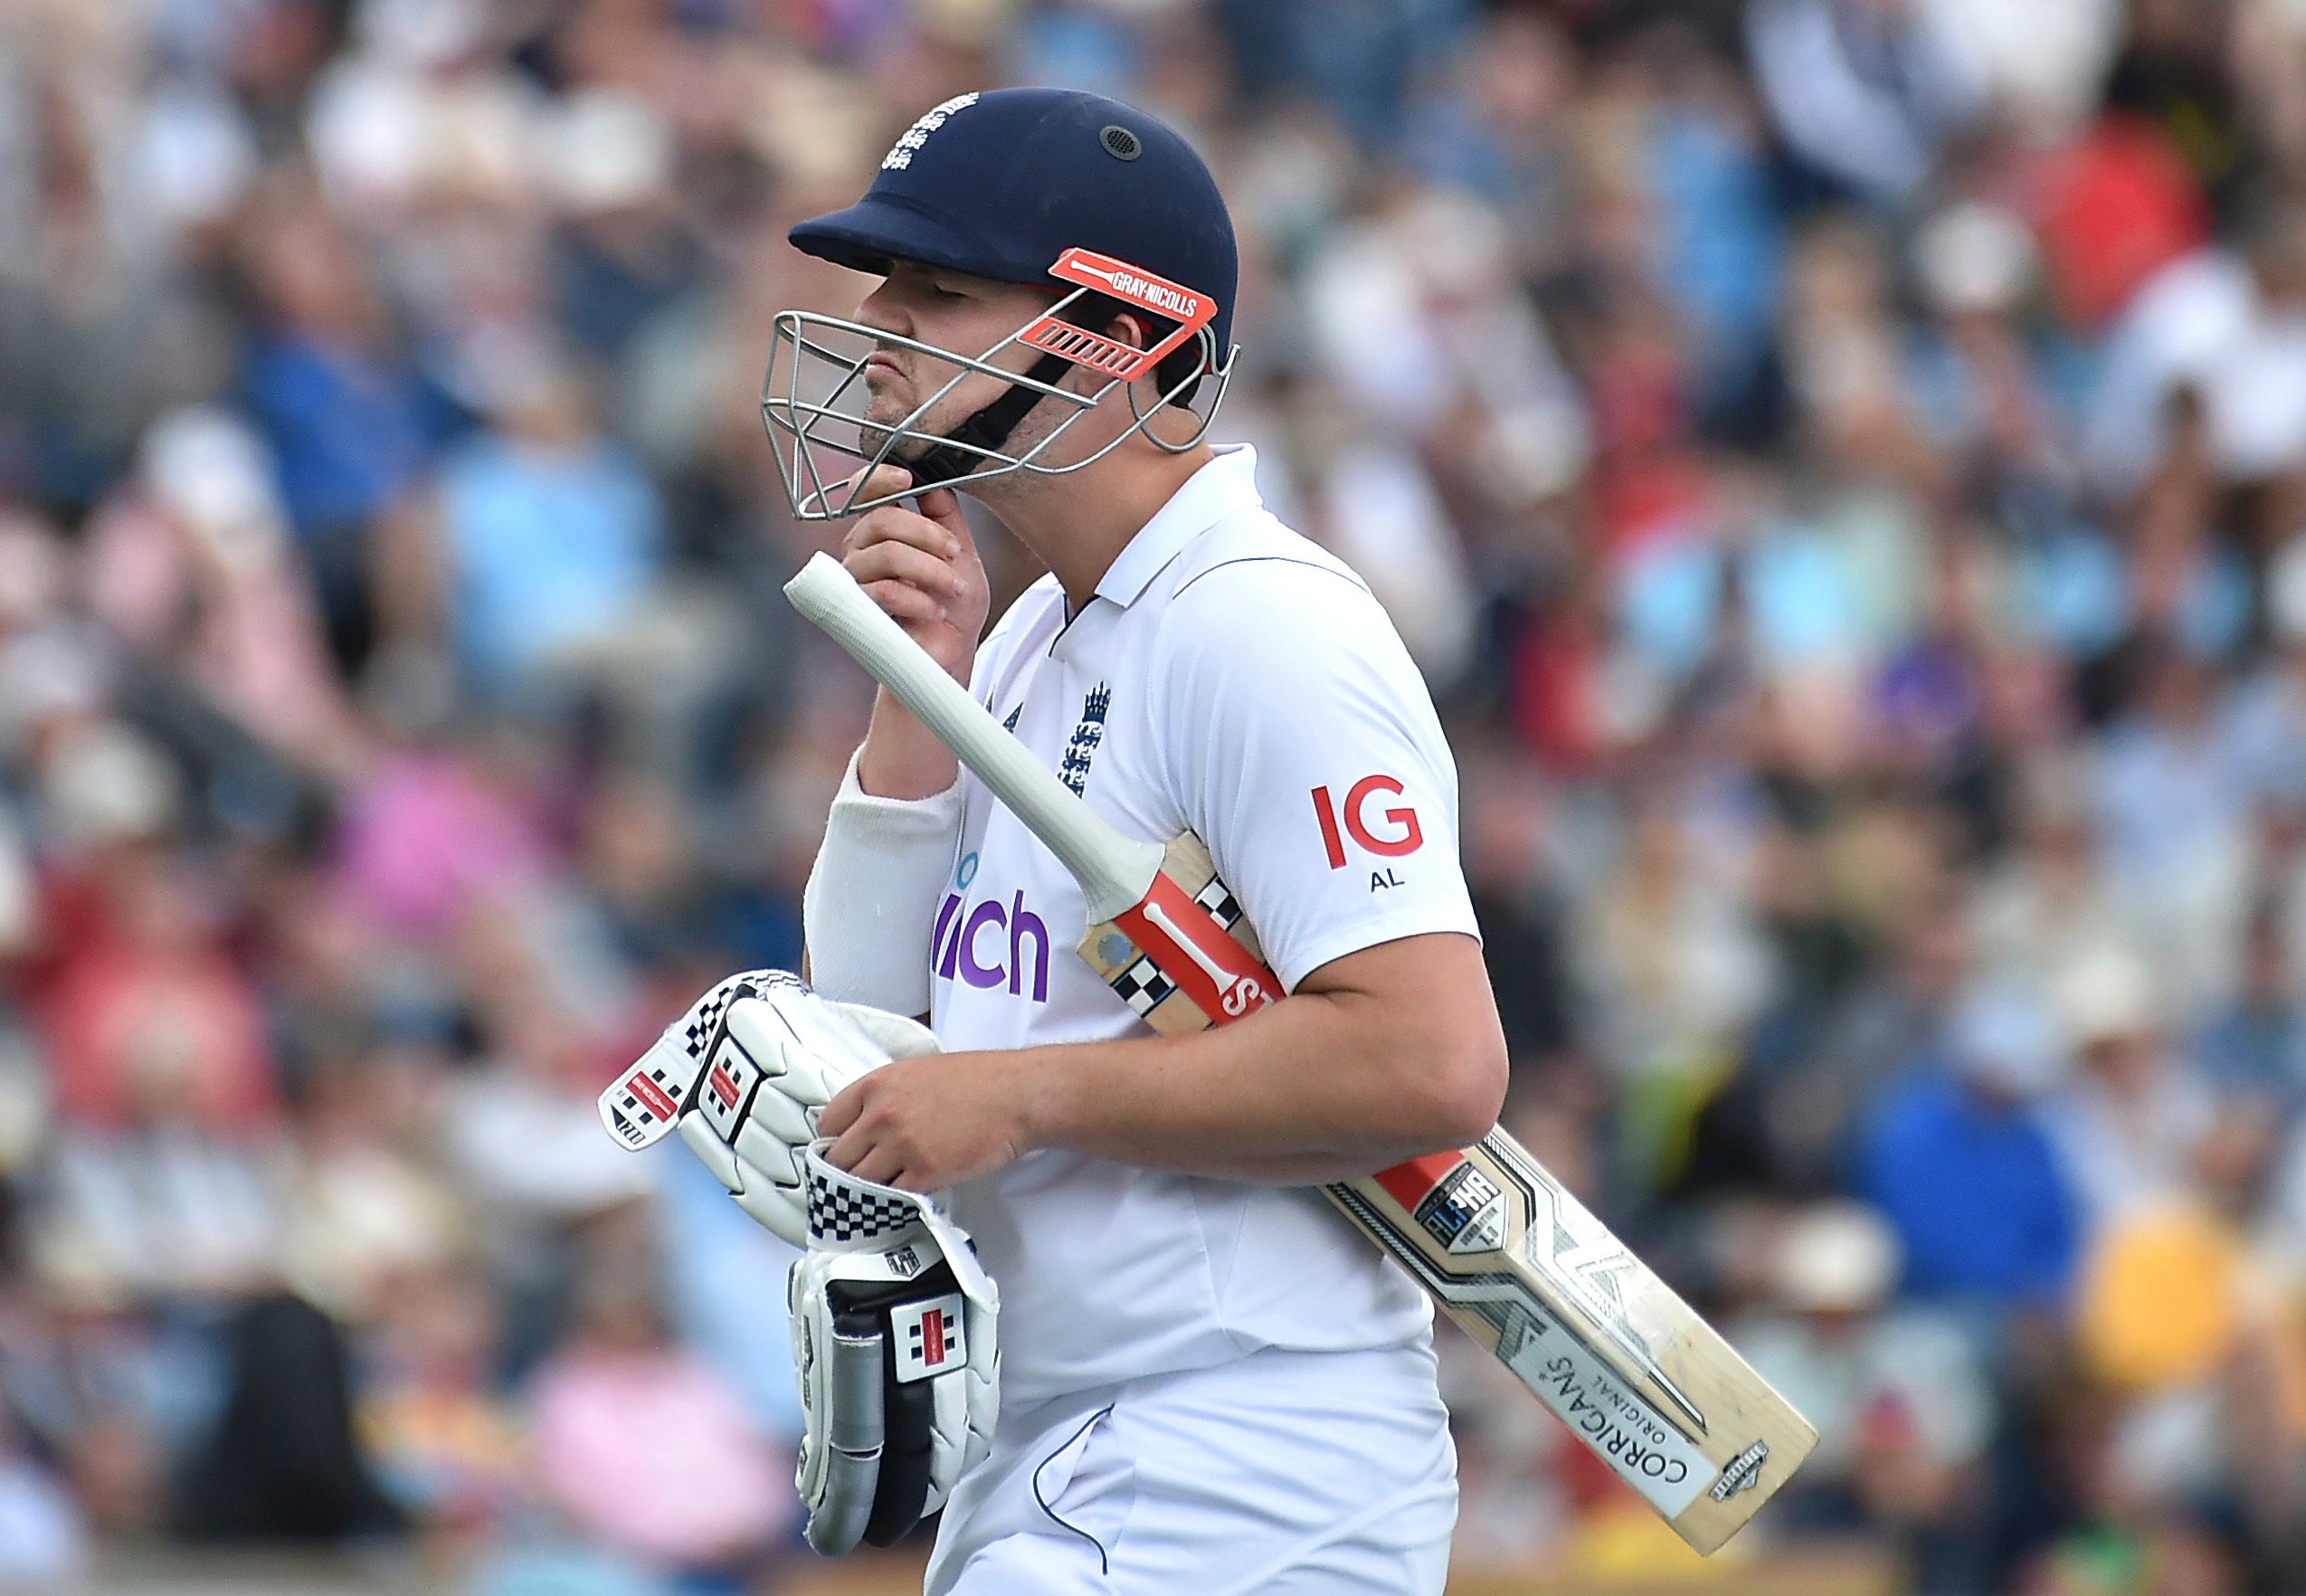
[(1408, 1183), (650, 1096), (1224, 980)]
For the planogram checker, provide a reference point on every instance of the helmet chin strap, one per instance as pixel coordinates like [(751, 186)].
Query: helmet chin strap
[(988, 429)]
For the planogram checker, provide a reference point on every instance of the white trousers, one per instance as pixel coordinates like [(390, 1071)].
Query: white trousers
[(1298, 1474)]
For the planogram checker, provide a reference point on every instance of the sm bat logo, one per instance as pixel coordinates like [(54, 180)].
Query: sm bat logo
[(1390, 833)]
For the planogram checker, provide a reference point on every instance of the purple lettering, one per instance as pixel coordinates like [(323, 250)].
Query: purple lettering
[(1024, 922), (989, 913), (937, 944), (953, 943)]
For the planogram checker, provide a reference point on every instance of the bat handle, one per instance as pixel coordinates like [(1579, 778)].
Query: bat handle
[(1115, 871)]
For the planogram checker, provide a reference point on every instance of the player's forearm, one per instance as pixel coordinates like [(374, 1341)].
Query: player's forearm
[(1318, 1087), (901, 758)]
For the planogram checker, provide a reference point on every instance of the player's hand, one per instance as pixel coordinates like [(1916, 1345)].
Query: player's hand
[(922, 568), (930, 1123)]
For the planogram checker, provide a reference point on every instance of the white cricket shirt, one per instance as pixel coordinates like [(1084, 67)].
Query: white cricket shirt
[(1233, 679)]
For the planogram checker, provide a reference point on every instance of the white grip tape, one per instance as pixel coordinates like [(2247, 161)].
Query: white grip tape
[(1113, 870)]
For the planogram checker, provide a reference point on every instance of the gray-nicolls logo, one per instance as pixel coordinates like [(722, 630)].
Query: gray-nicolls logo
[(1073, 770)]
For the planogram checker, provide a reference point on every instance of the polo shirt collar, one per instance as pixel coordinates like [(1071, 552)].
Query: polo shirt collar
[(1225, 487)]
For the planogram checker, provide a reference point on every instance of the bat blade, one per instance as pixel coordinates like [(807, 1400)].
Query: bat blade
[(1635, 1372), (1509, 1254)]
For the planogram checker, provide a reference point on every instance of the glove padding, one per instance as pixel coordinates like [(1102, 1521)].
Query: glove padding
[(778, 1058), (895, 1338), (743, 1076)]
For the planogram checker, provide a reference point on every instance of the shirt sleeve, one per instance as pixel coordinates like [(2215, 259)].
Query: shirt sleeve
[(1305, 752), (870, 897)]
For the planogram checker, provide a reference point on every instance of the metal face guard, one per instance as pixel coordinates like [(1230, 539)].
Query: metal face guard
[(813, 395)]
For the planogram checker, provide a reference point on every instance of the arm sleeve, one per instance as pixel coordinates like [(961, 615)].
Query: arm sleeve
[(1304, 751), (872, 895)]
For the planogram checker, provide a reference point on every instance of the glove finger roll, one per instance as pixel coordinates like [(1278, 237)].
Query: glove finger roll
[(776, 1115), (711, 1151), (777, 1208)]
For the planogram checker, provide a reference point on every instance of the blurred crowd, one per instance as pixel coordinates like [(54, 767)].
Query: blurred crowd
[(1841, 465)]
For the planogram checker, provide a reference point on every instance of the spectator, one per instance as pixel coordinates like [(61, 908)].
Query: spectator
[(363, 1210), (548, 533), (1678, 957), (1864, 94), (2051, 901), (43, 1534), (621, 254), (426, 835), (1904, 1410), (2265, 729), (448, 1448), (2176, 829), (196, 568), (2159, 1303), (345, 413), (2255, 1048), (142, 1011), (1960, 1162), (644, 1447), (1884, 1026), (283, 1464), (2131, 1124)]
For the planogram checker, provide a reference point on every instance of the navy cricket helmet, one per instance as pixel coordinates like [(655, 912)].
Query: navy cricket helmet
[(1103, 205)]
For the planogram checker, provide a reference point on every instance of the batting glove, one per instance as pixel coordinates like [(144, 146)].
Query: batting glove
[(896, 1335), (743, 1076)]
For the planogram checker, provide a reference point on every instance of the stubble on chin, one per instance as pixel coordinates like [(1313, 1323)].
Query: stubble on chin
[(883, 413), (874, 441)]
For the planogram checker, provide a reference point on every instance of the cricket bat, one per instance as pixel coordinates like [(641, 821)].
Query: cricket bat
[(1507, 1252)]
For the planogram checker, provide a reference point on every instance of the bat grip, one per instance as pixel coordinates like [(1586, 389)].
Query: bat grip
[(1115, 871)]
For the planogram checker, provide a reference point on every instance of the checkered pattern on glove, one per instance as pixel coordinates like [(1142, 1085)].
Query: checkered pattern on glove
[(846, 1210), (743, 1076), (648, 1098), (699, 1025)]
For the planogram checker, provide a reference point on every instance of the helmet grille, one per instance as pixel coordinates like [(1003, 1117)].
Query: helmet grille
[(1121, 144)]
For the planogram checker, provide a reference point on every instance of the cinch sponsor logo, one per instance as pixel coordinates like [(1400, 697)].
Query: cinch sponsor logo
[(960, 946), (1398, 832)]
